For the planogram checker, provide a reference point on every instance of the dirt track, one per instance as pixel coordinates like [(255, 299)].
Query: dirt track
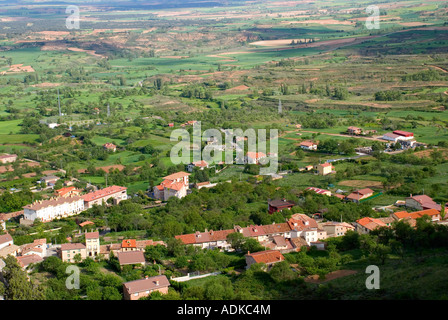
[(331, 276)]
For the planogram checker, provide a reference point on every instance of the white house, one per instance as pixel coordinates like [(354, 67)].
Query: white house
[(254, 157), (198, 164), (5, 240), (55, 208)]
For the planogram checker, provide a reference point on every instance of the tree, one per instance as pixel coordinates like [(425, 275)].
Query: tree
[(236, 240), (282, 272), (17, 286), (111, 293), (77, 258)]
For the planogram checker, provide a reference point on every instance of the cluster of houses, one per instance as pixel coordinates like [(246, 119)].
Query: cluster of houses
[(67, 202), (25, 254), (128, 252), (424, 205), (300, 230)]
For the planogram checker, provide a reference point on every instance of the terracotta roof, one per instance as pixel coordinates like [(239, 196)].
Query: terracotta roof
[(403, 133), (63, 191), (28, 259), (255, 155), (276, 228), (354, 196), (187, 238), (72, 246), (280, 241), (421, 198), (269, 256), (307, 143), (401, 214), (387, 220), (102, 193), (85, 223), (92, 235), (299, 242), (326, 164), (428, 212), (371, 223), (109, 145), (201, 163), (129, 243), (146, 284), (142, 244), (40, 204), (175, 186), (253, 231), (220, 235), (176, 175), (364, 191), (298, 222), (5, 238), (131, 257)]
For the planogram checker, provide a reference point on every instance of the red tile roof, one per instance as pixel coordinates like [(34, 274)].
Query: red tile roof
[(428, 212), (148, 284), (404, 133), (255, 155), (129, 243), (201, 163), (72, 246), (95, 195), (63, 191), (371, 223), (187, 238), (307, 143), (326, 164), (269, 256), (276, 228), (85, 223), (253, 231), (176, 175), (93, 235), (28, 259), (5, 238), (401, 214), (131, 257)]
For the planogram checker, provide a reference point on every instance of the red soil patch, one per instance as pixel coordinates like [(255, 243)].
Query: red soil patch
[(330, 276)]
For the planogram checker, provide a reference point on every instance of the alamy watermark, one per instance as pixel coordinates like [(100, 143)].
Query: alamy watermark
[(72, 281), (234, 141), (373, 21), (373, 281), (72, 21)]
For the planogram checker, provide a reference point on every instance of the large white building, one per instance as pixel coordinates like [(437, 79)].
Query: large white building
[(55, 208)]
